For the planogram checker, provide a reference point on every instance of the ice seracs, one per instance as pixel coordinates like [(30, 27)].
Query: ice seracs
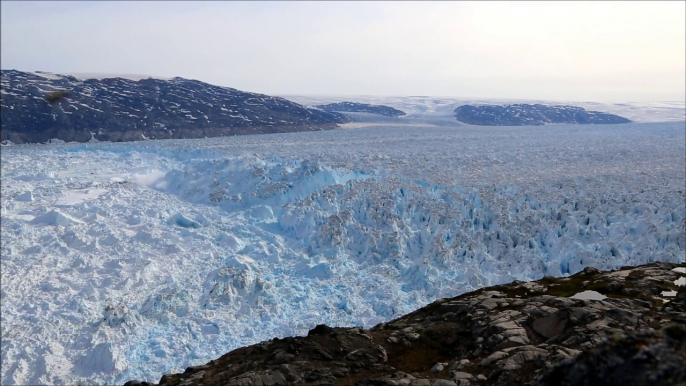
[(142, 257)]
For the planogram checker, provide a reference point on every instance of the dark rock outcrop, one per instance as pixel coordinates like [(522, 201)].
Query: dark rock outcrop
[(513, 334), (532, 115), (628, 359), (353, 107), (37, 107)]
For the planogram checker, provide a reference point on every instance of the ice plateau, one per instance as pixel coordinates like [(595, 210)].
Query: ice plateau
[(128, 261)]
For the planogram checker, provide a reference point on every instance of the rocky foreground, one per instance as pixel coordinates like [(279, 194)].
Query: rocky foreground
[(537, 333)]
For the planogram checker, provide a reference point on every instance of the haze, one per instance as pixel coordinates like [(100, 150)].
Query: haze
[(573, 51)]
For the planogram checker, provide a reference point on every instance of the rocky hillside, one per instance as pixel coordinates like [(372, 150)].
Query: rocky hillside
[(353, 107), (548, 332), (531, 115), (37, 107), (632, 358)]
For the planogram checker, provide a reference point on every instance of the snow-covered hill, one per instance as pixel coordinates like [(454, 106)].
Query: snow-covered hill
[(97, 75), (525, 114), (131, 260), (440, 110), (355, 107), (38, 106)]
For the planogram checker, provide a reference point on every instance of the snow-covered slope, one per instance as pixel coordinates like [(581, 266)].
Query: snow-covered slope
[(440, 110), (365, 108), (524, 114), (123, 261), (97, 75), (38, 106)]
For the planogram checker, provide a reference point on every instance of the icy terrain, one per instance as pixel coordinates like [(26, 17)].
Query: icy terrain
[(124, 261)]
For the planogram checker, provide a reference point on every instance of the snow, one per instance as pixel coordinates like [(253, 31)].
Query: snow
[(589, 295), (93, 139), (89, 107), (682, 280), (141, 258), (74, 197), (94, 75), (48, 75)]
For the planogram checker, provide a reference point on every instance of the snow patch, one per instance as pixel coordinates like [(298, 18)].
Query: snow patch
[(589, 295), (47, 75), (96, 75), (74, 197)]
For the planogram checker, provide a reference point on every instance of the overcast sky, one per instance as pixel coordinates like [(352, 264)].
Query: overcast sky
[(585, 51)]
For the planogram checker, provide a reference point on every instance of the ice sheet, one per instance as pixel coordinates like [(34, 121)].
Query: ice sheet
[(195, 247)]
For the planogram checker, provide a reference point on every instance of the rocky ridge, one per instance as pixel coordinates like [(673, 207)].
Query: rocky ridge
[(543, 332), (532, 115), (37, 107), (354, 107)]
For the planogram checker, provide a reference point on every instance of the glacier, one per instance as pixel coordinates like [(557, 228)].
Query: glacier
[(131, 260)]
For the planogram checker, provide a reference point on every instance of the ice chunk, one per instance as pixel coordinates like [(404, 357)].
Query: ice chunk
[(229, 241), (103, 357), (26, 196), (319, 271), (55, 218), (183, 221)]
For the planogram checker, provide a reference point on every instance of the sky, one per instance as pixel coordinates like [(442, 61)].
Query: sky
[(567, 51)]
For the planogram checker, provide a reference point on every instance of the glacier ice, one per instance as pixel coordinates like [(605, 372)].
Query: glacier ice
[(54, 217), (26, 196), (138, 259)]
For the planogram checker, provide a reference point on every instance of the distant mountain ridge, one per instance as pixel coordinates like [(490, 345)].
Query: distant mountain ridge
[(532, 115), (355, 107), (37, 107)]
